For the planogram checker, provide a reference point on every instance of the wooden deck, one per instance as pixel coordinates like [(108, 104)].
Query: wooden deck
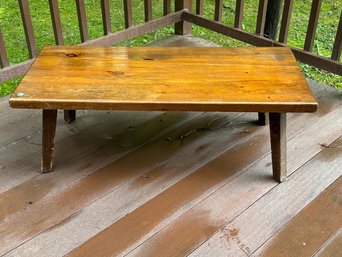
[(171, 184)]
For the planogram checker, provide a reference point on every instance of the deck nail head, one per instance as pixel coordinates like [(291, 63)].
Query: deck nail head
[(20, 94)]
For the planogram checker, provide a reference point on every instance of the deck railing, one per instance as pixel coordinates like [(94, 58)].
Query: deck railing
[(304, 55), (183, 18)]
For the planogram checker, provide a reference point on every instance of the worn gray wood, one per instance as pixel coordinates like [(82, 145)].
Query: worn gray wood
[(253, 227)]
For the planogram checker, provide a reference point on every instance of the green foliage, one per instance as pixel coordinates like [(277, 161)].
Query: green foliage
[(11, 25)]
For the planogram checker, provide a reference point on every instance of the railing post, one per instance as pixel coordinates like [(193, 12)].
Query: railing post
[(27, 23), (166, 7), (261, 18), (56, 22), (199, 7), (3, 55), (105, 9), (148, 10), (82, 20), (313, 20), (336, 52), (285, 22), (128, 13), (183, 27), (239, 13), (218, 10)]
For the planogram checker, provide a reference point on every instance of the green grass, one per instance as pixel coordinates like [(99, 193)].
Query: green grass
[(11, 25)]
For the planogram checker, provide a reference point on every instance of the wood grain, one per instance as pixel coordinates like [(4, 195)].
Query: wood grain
[(92, 219), (241, 79), (331, 248), (153, 158), (316, 130), (172, 202), (185, 234), (9, 207), (108, 177), (201, 222), (33, 189), (311, 228), (273, 210)]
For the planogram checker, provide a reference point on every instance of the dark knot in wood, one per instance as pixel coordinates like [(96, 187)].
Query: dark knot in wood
[(72, 55)]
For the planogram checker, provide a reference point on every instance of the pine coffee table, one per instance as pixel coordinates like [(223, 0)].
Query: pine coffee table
[(166, 79)]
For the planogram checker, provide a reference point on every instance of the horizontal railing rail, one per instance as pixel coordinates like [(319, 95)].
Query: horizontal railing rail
[(183, 17), (304, 55)]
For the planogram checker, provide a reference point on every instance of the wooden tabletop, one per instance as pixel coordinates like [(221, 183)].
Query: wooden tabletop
[(165, 78)]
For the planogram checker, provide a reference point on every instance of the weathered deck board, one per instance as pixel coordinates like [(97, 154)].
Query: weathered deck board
[(184, 197), (35, 188), (313, 226), (80, 147), (167, 188), (199, 223), (120, 172), (274, 209)]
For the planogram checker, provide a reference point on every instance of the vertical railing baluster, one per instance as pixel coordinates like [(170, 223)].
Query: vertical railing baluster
[(128, 13), (166, 6), (218, 10), (260, 26), (82, 20), (183, 27), (336, 52), (56, 22), (239, 13), (311, 31), (148, 10), (199, 7), (3, 55), (285, 22), (28, 28), (106, 21)]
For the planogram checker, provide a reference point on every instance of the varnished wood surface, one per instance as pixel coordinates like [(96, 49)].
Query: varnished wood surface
[(157, 78), (164, 184)]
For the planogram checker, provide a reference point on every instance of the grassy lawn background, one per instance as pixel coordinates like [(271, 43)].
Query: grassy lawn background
[(11, 25)]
